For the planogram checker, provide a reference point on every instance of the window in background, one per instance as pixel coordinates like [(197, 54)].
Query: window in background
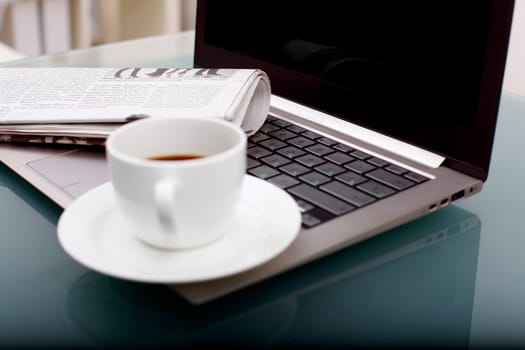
[(117, 20), (35, 27)]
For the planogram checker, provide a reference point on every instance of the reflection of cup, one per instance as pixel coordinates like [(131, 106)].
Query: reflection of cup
[(177, 203)]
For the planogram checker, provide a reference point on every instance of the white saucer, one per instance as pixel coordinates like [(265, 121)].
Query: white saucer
[(93, 232)]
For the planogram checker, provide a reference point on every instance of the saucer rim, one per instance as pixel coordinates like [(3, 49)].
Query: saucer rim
[(63, 232)]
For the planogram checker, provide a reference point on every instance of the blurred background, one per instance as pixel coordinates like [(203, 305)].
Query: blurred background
[(37, 27)]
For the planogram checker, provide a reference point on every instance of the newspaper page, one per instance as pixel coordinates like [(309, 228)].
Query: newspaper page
[(91, 102)]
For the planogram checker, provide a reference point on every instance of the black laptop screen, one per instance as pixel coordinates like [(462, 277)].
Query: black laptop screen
[(426, 72)]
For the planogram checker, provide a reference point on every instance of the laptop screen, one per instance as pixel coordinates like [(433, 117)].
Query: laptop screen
[(427, 73)]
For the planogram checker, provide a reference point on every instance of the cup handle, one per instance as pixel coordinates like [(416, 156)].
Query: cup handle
[(165, 202)]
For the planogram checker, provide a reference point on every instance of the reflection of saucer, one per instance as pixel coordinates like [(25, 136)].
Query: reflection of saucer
[(96, 304), (93, 232)]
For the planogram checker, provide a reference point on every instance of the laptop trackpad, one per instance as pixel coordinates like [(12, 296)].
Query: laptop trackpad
[(76, 171)]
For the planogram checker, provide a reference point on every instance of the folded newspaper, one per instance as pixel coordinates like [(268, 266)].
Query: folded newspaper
[(84, 105)]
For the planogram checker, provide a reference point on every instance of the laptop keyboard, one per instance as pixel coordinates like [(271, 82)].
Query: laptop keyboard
[(326, 178)]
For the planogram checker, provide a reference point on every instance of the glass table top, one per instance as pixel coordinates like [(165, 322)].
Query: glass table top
[(452, 278)]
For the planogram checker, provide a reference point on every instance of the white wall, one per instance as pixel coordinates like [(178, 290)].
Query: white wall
[(515, 70)]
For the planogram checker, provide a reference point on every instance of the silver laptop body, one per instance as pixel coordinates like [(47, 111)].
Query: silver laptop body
[(308, 74)]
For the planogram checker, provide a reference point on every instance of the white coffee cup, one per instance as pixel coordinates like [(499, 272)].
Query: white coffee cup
[(175, 204)]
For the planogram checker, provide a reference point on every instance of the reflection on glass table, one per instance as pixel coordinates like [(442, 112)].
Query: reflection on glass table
[(413, 285)]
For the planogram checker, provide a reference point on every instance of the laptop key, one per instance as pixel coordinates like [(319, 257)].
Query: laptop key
[(343, 148), (311, 135), (291, 152), (319, 214), (377, 161), (339, 158), (360, 154), (283, 134), (294, 169), (351, 178), (283, 181), (326, 141), (258, 152), (393, 180), (415, 177), (258, 137), (330, 169), (272, 144), (314, 178), (319, 150), (396, 169), (360, 166), (348, 193), (281, 122), (376, 189), (276, 160), (309, 220), (321, 199), (296, 128), (301, 142), (267, 128), (310, 160), (263, 171)]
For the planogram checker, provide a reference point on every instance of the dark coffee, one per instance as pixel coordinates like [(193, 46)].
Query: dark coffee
[(176, 157)]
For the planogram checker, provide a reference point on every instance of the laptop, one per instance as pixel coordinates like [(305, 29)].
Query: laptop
[(380, 114)]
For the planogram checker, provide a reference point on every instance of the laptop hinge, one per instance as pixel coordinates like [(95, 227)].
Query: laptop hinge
[(284, 107)]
